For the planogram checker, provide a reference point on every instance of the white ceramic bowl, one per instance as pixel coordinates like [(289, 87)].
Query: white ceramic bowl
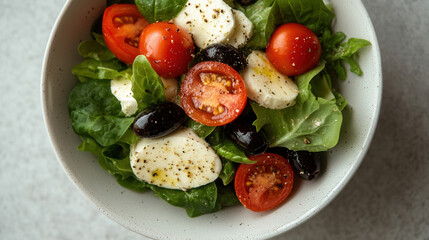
[(151, 216)]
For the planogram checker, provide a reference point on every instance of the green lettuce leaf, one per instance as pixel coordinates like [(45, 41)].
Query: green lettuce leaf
[(147, 86), (312, 124), (262, 16), (160, 10)]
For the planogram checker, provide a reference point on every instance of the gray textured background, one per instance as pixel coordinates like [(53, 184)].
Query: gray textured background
[(388, 198)]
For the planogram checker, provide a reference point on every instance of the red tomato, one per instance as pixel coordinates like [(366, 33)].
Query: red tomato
[(168, 47), (213, 93), (265, 184), (293, 49), (122, 25)]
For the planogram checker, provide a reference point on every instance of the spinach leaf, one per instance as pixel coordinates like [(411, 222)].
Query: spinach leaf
[(95, 50), (198, 201), (228, 171), (201, 130), (226, 195), (95, 112), (312, 124), (312, 13), (160, 10), (115, 160), (147, 86), (94, 69), (226, 148)]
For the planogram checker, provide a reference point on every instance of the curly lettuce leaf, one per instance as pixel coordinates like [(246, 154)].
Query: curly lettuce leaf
[(160, 10), (312, 124)]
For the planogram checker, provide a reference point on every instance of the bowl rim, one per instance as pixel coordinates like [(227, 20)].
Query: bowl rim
[(275, 231)]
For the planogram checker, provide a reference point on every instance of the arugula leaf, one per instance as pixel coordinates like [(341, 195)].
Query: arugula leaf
[(312, 124), (147, 86), (335, 51), (160, 10)]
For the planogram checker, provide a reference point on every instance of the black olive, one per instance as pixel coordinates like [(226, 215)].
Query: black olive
[(158, 120), (246, 2), (245, 135), (221, 53), (305, 164)]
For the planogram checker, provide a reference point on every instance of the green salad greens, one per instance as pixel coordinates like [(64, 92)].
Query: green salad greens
[(312, 124)]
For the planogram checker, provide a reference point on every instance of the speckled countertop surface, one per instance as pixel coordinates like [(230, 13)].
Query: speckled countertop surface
[(388, 198)]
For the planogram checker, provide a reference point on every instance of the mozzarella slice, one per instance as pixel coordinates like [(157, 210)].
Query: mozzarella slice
[(121, 89), (181, 160), (242, 31), (170, 88), (209, 22), (265, 85)]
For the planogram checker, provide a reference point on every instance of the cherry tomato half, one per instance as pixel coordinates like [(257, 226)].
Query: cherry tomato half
[(293, 49), (122, 25), (168, 47), (265, 184), (213, 93)]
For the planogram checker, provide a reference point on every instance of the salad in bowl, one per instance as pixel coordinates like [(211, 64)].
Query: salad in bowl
[(246, 116), (212, 104)]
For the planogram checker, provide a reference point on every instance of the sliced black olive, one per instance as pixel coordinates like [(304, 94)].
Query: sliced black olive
[(305, 164), (245, 135), (221, 53), (246, 2), (158, 120)]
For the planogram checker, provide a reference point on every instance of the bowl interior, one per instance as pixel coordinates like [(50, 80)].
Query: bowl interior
[(151, 216)]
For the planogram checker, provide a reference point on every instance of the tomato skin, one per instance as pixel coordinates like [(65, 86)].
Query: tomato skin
[(168, 47), (214, 102), (122, 25), (265, 184), (293, 49)]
